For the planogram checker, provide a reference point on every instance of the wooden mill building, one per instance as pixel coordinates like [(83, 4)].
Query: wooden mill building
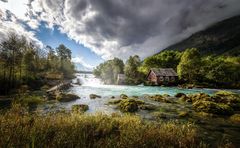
[(162, 76)]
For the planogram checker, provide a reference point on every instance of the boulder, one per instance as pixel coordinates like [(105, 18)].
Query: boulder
[(80, 108), (128, 105), (160, 98), (200, 97), (179, 95), (123, 96), (63, 97), (94, 96), (228, 98), (147, 107), (114, 101), (212, 107)]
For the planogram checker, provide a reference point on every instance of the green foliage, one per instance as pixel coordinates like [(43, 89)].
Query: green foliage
[(221, 70), (22, 62), (165, 59), (132, 73), (109, 70), (188, 68)]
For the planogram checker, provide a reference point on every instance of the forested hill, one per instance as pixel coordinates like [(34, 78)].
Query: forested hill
[(220, 38)]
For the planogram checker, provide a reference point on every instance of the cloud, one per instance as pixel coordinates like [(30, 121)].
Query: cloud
[(120, 28), (14, 20), (80, 60)]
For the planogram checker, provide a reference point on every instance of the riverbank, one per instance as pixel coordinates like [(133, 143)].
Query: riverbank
[(78, 130), (179, 121)]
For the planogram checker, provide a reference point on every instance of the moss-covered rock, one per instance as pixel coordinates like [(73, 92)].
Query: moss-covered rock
[(160, 98), (229, 98), (123, 96), (212, 107), (185, 99), (114, 101), (147, 107), (200, 97), (63, 97), (94, 96), (80, 108), (179, 95), (128, 105), (235, 118)]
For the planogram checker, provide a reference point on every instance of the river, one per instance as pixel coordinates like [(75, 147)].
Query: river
[(212, 129)]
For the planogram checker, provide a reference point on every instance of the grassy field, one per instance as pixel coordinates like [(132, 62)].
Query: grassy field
[(21, 129)]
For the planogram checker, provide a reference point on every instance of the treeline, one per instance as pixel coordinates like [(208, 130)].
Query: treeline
[(23, 63), (192, 68), (109, 70)]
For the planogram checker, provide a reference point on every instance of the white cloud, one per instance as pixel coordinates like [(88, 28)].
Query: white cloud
[(12, 18), (124, 27), (80, 60)]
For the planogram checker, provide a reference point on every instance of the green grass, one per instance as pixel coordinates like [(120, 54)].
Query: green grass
[(20, 129)]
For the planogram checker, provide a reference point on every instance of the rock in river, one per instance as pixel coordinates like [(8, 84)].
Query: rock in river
[(63, 97), (94, 96), (80, 108)]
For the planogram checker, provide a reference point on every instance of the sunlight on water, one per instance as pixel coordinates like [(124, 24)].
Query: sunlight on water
[(92, 85)]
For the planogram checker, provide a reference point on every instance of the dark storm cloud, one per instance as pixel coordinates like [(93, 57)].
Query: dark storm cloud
[(138, 24)]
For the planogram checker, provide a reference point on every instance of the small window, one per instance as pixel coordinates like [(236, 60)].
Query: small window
[(161, 78), (167, 78)]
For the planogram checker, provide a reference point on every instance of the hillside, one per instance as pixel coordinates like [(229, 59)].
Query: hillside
[(220, 38)]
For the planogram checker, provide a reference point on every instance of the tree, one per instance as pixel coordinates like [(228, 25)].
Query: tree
[(132, 74), (109, 70), (165, 59), (64, 55), (188, 68)]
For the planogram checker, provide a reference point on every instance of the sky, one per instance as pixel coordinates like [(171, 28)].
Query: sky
[(98, 30)]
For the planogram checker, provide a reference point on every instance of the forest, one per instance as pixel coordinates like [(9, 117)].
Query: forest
[(216, 71), (24, 64)]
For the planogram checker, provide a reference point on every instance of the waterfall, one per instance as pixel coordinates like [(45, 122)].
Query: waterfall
[(88, 79)]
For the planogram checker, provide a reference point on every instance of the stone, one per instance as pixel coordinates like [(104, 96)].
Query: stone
[(212, 107), (94, 96), (114, 101), (147, 107), (63, 97), (80, 108), (128, 105), (179, 95), (123, 96)]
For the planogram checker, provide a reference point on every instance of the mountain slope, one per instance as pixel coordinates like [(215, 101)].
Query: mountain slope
[(220, 38)]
